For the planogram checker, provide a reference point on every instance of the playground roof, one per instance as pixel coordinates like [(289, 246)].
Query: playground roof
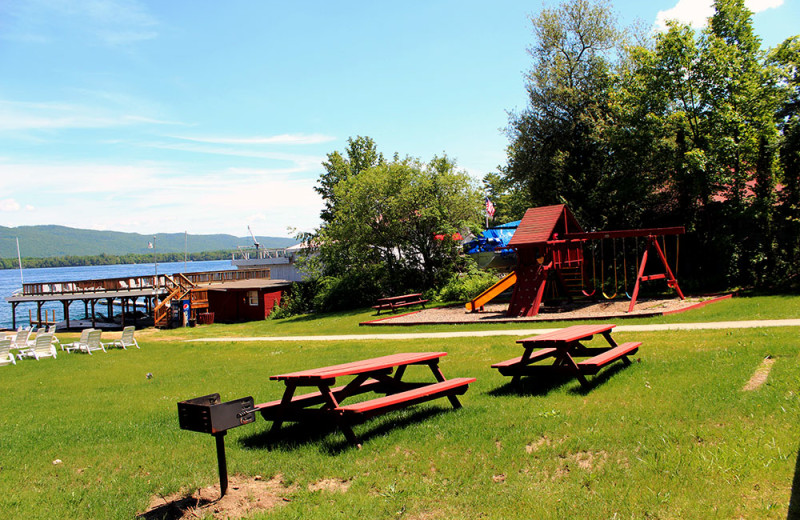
[(542, 224)]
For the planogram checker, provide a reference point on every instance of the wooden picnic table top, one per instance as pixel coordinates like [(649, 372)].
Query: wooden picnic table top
[(359, 367), (569, 334), (401, 297)]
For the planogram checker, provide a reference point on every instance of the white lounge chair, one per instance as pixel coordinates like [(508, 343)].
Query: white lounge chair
[(93, 342), (22, 339), (6, 356), (52, 330), (127, 339), (76, 345), (42, 348)]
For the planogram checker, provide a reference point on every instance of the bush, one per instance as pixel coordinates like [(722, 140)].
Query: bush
[(298, 300), (467, 285), (354, 289)]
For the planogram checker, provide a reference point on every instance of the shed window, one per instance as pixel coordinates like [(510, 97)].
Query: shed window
[(252, 298)]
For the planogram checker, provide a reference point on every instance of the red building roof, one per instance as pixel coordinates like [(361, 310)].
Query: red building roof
[(545, 223)]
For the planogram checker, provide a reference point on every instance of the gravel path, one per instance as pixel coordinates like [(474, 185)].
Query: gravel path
[(581, 310), (516, 332)]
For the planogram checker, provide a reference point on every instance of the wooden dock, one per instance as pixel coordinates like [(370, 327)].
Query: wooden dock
[(157, 292)]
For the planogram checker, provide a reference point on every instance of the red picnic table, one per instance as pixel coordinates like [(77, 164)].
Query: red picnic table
[(564, 345), (395, 302), (382, 375)]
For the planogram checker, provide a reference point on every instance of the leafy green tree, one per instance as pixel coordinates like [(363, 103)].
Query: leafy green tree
[(392, 229), (509, 198), (360, 154), (785, 60), (557, 151)]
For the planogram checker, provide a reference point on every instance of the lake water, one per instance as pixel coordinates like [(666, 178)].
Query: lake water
[(10, 282)]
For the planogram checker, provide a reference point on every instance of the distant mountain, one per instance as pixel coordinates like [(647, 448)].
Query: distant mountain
[(50, 241)]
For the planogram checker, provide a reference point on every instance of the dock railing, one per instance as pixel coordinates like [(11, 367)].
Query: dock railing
[(128, 283), (133, 283)]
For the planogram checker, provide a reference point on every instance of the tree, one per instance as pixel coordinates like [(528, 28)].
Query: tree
[(361, 153), (509, 198), (394, 224), (557, 152), (785, 60), (719, 113)]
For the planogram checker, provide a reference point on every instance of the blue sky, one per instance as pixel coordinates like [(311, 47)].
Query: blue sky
[(206, 117)]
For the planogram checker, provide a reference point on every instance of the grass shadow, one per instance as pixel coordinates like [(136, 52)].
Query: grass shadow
[(794, 499), (292, 436), (174, 509), (539, 385), (599, 379), (303, 318)]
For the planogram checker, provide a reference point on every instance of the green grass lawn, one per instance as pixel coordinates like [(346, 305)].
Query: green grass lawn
[(672, 436), (739, 308)]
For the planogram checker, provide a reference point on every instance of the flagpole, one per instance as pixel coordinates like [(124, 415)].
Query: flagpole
[(155, 264)]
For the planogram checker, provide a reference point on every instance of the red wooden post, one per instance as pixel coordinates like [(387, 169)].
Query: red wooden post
[(640, 274), (671, 280)]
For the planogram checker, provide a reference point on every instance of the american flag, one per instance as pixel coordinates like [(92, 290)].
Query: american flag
[(489, 207)]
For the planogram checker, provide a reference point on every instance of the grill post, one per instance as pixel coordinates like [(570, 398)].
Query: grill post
[(222, 463), (208, 414)]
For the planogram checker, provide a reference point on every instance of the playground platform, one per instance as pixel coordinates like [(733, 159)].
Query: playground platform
[(581, 310)]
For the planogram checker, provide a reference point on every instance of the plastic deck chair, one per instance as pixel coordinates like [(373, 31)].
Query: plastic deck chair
[(42, 348), (52, 330), (22, 339), (76, 345), (6, 356), (93, 342), (127, 339)]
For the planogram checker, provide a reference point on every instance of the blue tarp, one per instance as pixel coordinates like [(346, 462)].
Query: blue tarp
[(492, 238)]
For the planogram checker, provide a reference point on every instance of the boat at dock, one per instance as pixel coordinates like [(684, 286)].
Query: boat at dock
[(280, 261), (490, 250)]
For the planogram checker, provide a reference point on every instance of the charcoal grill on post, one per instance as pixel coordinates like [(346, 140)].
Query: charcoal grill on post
[(207, 414)]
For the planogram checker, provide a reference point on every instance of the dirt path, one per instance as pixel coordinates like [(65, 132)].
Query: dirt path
[(749, 324)]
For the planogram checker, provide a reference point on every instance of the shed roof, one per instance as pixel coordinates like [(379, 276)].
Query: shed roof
[(542, 224)]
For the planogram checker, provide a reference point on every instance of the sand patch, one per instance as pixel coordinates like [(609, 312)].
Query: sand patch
[(590, 460), (760, 375), (245, 495), (333, 485)]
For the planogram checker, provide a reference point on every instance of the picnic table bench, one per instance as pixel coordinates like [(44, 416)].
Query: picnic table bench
[(396, 302), (564, 346), (381, 375)]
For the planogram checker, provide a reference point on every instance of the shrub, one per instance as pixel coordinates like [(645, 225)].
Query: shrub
[(467, 285)]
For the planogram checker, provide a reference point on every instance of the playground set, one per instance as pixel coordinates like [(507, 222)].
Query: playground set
[(552, 250)]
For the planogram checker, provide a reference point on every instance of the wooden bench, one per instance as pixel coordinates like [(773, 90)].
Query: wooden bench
[(311, 398), (593, 365), (506, 367), (448, 388), (395, 302)]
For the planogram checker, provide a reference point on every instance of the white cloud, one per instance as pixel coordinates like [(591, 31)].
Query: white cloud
[(298, 163), (23, 115), (9, 205), (274, 139), (697, 12), (149, 198)]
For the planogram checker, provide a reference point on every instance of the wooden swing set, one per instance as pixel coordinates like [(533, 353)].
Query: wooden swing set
[(550, 246), (652, 248)]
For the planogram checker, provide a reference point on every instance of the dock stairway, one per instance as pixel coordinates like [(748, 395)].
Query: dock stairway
[(180, 288)]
